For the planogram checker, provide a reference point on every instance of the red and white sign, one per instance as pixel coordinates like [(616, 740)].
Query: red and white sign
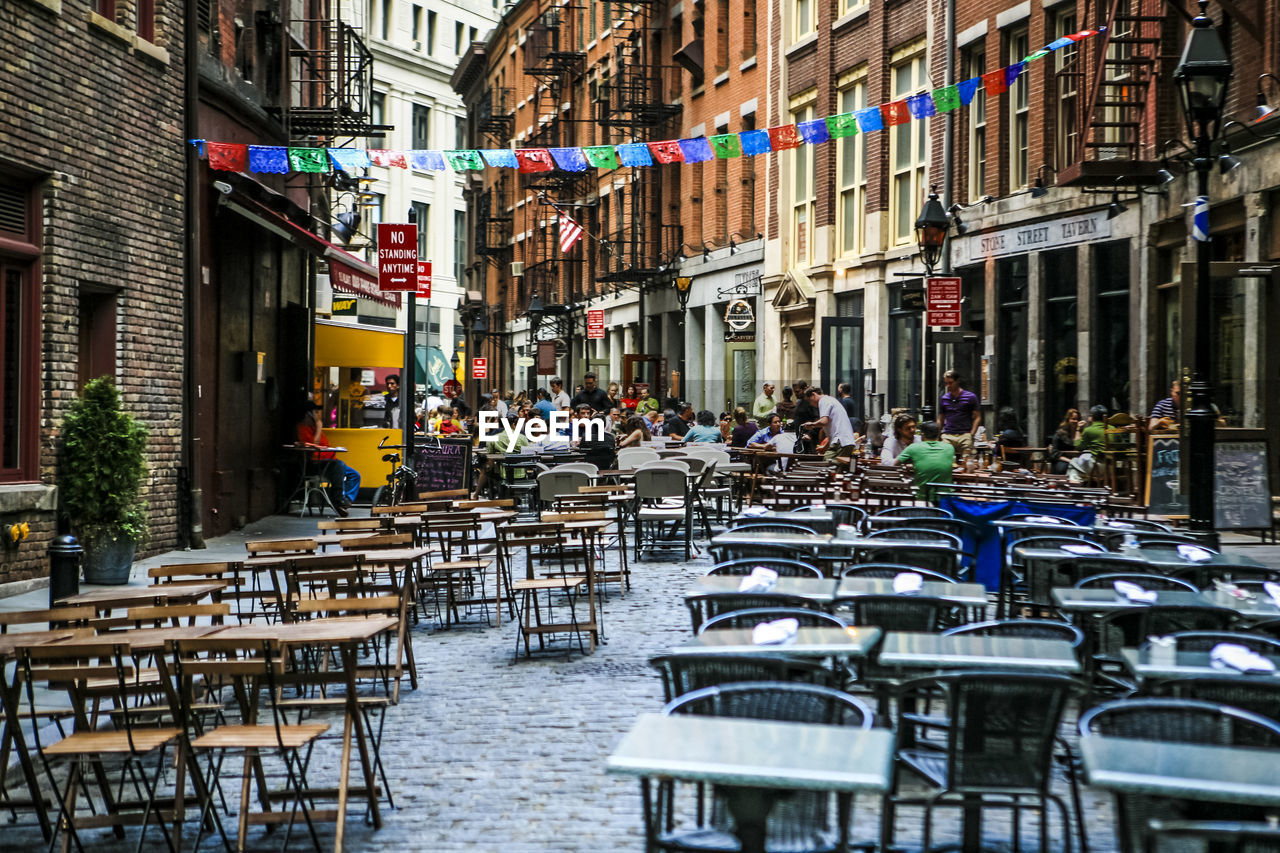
[(397, 256), (424, 279), (943, 301), (479, 368), (595, 323), (452, 388)]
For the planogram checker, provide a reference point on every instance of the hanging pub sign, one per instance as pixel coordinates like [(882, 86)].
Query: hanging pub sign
[(739, 322)]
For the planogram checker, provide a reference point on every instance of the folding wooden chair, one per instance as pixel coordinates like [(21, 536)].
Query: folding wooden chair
[(534, 595)]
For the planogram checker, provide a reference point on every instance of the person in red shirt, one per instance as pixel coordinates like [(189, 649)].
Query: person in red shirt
[(345, 480)]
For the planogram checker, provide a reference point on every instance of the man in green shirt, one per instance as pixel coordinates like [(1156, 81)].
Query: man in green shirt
[(764, 405), (646, 403), (931, 459), (1094, 436)]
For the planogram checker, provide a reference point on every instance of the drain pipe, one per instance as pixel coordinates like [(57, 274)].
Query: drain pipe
[(190, 456)]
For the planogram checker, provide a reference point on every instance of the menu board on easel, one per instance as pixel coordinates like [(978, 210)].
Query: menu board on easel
[(1162, 495), (1242, 487), (442, 464)]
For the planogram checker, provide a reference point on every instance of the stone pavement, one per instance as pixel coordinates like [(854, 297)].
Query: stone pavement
[(491, 755)]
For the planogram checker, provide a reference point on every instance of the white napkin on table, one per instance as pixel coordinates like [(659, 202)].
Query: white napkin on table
[(1194, 553), (1273, 590), (1135, 593), (907, 583), (773, 633), (1120, 525), (1239, 658), (760, 580), (1044, 519), (1080, 549), (753, 511)]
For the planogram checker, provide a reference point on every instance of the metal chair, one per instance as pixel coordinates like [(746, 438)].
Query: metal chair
[(559, 482), (662, 497), (957, 527), (783, 566), (848, 514), (898, 612), (634, 457), (753, 616), (1204, 641), (892, 570), (944, 562), (588, 468), (684, 673), (915, 512), (1042, 629), (763, 527), (709, 605), (909, 533), (1146, 581)]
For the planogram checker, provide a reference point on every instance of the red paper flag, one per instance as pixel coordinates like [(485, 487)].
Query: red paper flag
[(995, 82), (895, 113), (667, 151), (534, 160), (387, 158), (227, 156), (782, 138)]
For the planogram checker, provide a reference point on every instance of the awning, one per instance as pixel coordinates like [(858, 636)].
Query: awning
[(432, 368), (351, 345)]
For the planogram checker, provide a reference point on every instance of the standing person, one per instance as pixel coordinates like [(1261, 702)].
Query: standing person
[(592, 395), (630, 399), (787, 408), (344, 481), (806, 437), (743, 429), (958, 414), (931, 460), (844, 393), (645, 404), (1166, 414), (680, 424), (764, 405), (904, 435), (831, 419), (559, 398), (391, 403)]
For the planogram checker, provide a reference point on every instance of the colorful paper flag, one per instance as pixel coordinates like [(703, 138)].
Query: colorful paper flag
[(921, 106), (634, 154), (695, 150), (667, 151), (1012, 72), (462, 160), (1058, 44), (350, 159), (869, 120), (995, 82), (268, 158), (570, 233), (842, 125), (754, 142), (500, 158), (387, 158), (570, 159), (784, 137), (308, 160), (534, 160), (726, 145), (946, 99), (227, 156), (602, 156), (968, 88), (426, 161)]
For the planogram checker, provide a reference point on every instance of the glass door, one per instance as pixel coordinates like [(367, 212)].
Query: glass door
[(842, 355)]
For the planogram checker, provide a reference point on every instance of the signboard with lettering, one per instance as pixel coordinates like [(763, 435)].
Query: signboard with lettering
[(1032, 237), (1242, 489), (424, 279), (943, 301), (397, 256), (739, 322), (595, 323), (452, 388), (345, 307), (479, 368), (442, 465)]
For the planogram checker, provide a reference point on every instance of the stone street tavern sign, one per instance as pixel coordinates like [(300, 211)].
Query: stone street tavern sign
[(1034, 237)]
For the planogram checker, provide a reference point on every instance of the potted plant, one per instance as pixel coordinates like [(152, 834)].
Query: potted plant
[(100, 480)]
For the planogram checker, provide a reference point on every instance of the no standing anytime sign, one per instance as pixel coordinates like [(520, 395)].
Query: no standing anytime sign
[(397, 257)]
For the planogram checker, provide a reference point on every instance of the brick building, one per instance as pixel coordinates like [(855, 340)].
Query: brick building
[(91, 248)]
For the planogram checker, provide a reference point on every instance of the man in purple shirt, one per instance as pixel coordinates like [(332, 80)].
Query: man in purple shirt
[(958, 415)]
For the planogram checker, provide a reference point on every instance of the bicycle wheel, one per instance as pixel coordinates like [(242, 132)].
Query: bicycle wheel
[(381, 497)]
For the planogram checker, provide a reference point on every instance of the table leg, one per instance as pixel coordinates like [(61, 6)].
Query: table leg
[(356, 719), (750, 808), (13, 734)]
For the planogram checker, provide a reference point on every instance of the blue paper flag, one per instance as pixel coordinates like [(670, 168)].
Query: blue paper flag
[(921, 105), (968, 88), (870, 119), (814, 132), (199, 144), (427, 161), (349, 159), (696, 150), (570, 159), (1058, 44), (754, 142), (1011, 72), (635, 154), (269, 158), (503, 158)]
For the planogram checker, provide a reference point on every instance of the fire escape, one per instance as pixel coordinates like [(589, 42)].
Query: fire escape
[(495, 118), (1115, 73), (631, 108), (331, 73)]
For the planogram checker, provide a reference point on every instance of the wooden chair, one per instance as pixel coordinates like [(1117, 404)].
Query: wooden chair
[(173, 614), (77, 616), (535, 595), (274, 547)]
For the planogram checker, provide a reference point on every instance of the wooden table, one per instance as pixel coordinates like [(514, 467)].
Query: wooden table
[(107, 599), (842, 643), (910, 650), (756, 760)]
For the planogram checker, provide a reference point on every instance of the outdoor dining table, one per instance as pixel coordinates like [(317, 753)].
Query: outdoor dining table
[(1100, 601), (819, 590), (1257, 606), (971, 595), (756, 761), (112, 598), (912, 650), (1158, 664), (820, 521), (1184, 771), (819, 642)]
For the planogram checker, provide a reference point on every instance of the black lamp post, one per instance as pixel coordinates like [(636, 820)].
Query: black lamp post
[(931, 237), (537, 310), (682, 284), (1202, 76)]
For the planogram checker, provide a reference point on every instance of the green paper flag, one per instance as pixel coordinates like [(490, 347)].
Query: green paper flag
[(726, 145), (308, 160), (462, 160), (602, 156), (1039, 54), (946, 99), (842, 125)]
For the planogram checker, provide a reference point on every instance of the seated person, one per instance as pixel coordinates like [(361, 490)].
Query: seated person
[(1166, 414), (1093, 438), (344, 480), (904, 435), (743, 428), (447, 424), (634, 433), (598, 446), (705, 430), (931, 460), (767, 438)]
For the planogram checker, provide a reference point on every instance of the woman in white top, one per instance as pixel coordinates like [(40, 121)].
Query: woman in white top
[(904, 433)]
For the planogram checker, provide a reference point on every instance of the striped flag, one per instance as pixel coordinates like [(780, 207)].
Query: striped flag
[(1200, 219), (570, 233)]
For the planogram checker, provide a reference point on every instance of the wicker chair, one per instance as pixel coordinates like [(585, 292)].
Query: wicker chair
[(783, 566), (914, 512), (1146, 581), (754, 616), (711, 604), (685, 673), (892, 570)]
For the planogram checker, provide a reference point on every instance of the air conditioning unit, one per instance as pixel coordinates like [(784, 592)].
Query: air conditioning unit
[(517, 269)]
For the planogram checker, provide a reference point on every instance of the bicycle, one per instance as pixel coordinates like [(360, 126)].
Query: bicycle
[(401, 481)]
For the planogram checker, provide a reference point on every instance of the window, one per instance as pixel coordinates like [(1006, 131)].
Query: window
[(847, 6), (421, 126), (748, 28), (422, 218), (722, 36), (748, 165), (852, 155), (460, 132), (417, 23), (431, 31), (802, 18), (457, 38), (1111, 341), (1058, 272), (909, 151), (1019, 111), (720, 184), (386, 19), (146, 19), (1067, 126), (802, 196), (974, 65), (905, 346), (19, 336), (459, 247), (97, 343), (1011, 346), (378, 115)]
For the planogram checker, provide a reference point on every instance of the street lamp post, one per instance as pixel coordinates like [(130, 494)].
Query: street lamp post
[(682, 283), (931, 237), (536, 312), (1202, 76)]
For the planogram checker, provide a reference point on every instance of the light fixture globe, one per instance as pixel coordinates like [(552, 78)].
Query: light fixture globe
[(931, 230), (1202, 76)]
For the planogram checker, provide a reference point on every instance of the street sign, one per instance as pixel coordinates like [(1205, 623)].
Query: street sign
[(397, 256), (424, 279), (479, 368), (595, 323), (943, 301), (452, 388), (524, 361)]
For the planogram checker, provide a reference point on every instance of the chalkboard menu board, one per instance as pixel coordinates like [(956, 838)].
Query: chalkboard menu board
[(443, 464), (1242, 493), (1162, 477)]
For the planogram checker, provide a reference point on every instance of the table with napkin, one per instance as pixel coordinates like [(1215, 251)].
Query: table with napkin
[(775, 632), (760, 580), (1239, 658), (1135, 593), (907, 583)]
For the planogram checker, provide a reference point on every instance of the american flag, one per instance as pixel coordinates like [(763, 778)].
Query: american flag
[(570, 232)]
